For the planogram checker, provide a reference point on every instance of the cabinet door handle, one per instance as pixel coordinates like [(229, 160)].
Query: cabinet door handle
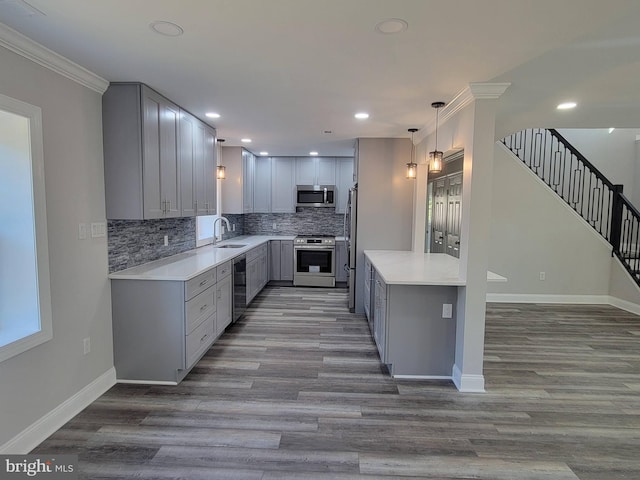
[(203, 337), (204, 307)]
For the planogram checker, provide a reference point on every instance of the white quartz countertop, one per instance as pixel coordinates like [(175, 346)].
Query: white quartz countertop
[(415, 268), (184, 266)]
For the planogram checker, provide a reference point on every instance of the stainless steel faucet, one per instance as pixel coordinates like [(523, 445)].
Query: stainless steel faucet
[(214, 228)]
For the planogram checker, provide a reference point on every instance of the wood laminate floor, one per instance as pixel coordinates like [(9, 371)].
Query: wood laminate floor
[(295, 390)]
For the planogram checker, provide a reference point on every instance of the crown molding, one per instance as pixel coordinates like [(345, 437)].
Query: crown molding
[(27, 48), (474, 91)]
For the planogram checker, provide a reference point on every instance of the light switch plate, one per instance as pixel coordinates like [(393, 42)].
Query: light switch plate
[(82, 231), (98, 230), (447, 310)]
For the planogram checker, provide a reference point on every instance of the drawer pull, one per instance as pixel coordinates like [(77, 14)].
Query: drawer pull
[(204, 307), (203, 337), (204, 282)]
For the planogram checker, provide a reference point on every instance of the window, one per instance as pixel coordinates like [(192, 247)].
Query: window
[(204, 229), (25, 297)]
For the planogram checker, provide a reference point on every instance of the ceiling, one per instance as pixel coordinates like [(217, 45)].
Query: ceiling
[(284, 72)]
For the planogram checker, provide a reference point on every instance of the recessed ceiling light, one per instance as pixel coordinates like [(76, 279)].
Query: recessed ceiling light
[(391, 26), (212, 115), (245, 140), (167, 29), (313, 154), (264, 154), (361, 115), (567, 106)]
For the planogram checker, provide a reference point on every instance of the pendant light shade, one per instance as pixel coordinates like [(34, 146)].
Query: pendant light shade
[(435, 157), (221, 170), (412, 166)]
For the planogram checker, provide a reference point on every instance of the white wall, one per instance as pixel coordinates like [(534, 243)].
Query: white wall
[(533, 231), (385, 201), (37, 381), (614, 154)]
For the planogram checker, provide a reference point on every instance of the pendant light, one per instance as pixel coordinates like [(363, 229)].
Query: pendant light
[(435, 157), (412, 167), (221, 170)]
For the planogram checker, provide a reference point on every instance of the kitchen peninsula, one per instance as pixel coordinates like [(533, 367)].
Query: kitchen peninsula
[(410, 303)]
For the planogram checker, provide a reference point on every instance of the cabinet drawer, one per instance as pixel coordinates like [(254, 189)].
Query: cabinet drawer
[(253, 254), (199, 284), (199, 307), (200, 340), (224, 270)]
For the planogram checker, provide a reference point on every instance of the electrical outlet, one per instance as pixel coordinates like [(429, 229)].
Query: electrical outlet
[(86, 345), (543, 276), (82, 231), (275, 226), (447, 310), (233, 227), (166, 240)]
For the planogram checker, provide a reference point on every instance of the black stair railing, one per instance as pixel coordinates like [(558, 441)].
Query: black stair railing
[(583, 187)]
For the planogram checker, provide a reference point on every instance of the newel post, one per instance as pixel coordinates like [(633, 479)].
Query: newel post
[(616, 218)]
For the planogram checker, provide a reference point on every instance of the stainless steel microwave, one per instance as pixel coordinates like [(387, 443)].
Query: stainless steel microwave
[(315, 196)]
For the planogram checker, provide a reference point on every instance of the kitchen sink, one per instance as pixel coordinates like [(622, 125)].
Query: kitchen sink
[(231, 245)]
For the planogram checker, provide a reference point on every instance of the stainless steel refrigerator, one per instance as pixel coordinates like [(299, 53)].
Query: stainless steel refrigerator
[(350, 219)]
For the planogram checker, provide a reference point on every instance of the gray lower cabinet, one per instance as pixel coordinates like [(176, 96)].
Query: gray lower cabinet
[(224, 297), (257, 270), (281, 260), (161, 328), (140, 134), (286, 260), (368, 298), (342, 261), (412, 337)]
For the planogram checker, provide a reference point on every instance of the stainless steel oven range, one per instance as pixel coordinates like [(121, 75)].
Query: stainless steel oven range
[(314, 261)]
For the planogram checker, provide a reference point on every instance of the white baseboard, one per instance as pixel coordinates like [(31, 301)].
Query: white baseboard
[(145, 382), (548, 298), (422, 377), (33, 435), (466, 383), (566, 299), (625, 305)]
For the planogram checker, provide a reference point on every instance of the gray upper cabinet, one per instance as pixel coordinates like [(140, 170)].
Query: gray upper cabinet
[(315, 171), (197, 161), (283, 185), (262, 185), (248, 174), (141, 138), (189, 150), (209, 182)]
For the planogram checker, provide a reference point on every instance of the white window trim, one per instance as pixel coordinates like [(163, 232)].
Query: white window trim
[(34, 114)]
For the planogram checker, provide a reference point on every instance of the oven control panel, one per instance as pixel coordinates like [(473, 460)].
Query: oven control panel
[(315, 240)]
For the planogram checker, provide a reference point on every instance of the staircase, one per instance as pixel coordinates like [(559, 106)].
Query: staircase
[(584, 188)]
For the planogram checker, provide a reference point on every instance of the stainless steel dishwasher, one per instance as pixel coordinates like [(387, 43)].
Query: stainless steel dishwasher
[(239, 286)]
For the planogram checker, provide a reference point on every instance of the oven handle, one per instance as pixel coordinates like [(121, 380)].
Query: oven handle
[(313, 247)]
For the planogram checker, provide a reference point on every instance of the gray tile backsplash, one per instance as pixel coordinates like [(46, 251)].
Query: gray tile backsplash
[(306, 221), (238, 221), (134, 242)]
